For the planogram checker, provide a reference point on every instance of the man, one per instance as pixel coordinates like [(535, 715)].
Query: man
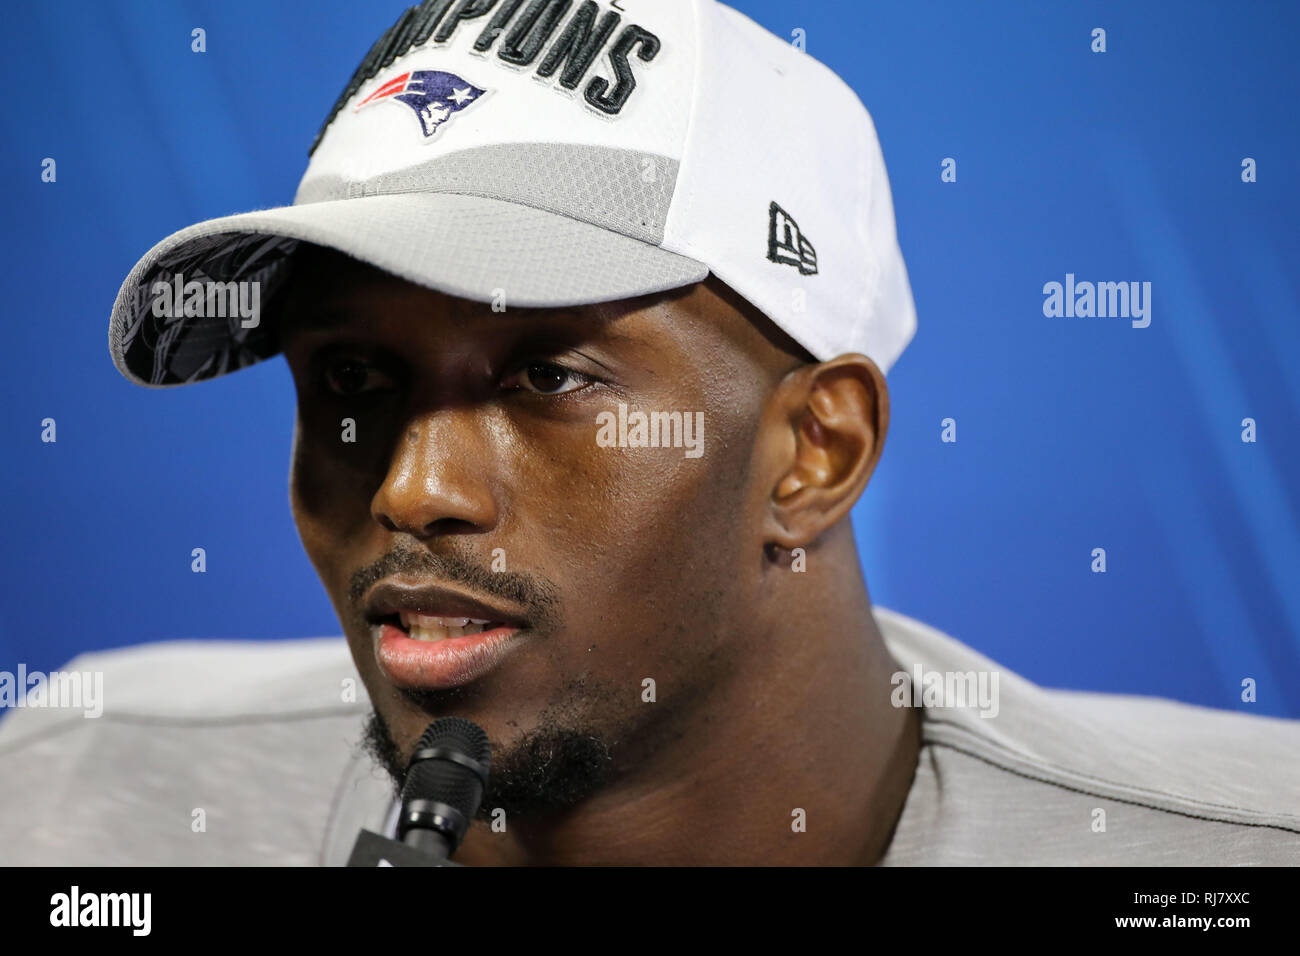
[(590, 363)]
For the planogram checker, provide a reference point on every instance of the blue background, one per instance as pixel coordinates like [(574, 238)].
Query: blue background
[(1072, 433)]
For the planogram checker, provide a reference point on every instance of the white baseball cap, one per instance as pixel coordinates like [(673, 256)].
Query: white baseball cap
[(543, 155)]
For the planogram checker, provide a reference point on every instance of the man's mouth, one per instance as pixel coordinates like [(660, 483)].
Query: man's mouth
[(435, 638), (425, 627)]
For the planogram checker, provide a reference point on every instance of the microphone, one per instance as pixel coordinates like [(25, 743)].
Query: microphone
[(441, 793)]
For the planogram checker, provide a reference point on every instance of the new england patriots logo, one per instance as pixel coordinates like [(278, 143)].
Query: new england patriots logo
[(435, 96)]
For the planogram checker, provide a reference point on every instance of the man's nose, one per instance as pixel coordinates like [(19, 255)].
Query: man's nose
[(438, 479)]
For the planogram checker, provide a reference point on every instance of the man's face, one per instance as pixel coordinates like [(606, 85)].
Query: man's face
[(447, 465)]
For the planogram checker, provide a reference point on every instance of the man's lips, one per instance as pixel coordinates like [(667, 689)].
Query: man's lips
[(442, 664), (425, 634)]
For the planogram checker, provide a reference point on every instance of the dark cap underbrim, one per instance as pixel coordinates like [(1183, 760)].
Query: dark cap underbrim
[(471, 247)]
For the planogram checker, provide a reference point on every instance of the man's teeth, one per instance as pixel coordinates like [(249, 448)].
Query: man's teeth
[(424, 627)]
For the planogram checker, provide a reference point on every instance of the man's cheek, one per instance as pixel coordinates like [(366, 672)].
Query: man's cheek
[(334, 476)]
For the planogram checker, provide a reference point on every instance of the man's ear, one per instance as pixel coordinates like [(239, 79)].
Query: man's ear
[(827, 427)]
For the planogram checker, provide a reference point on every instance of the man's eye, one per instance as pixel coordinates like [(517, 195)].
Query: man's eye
[(546, 378), (352, 376)]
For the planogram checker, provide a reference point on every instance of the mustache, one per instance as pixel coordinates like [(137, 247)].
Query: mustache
[(537, 594)]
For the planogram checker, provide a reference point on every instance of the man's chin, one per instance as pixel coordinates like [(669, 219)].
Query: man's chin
[(546, 770), (435, 703)]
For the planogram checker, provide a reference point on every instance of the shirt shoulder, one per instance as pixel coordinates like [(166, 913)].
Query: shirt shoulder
[(204, 752), (1067, 777)]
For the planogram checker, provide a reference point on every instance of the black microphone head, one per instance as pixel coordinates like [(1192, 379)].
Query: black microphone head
[(458, 734), (448, 770)]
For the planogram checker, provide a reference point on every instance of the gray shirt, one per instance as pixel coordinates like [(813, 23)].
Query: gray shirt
[(212, 753)]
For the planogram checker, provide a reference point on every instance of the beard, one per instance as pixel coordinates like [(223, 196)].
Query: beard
[(549, 769)]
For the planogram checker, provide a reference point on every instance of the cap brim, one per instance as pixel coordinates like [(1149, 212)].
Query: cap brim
[(472, 247)]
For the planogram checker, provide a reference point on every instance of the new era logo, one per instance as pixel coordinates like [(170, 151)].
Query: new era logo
[(786, 244)]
